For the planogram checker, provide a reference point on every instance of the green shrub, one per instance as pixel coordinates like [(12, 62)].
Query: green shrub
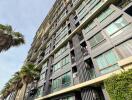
[(119, 86)]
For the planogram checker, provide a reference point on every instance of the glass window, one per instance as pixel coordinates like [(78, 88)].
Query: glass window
[(61, 63), (109, 69), (56, 83), (86, 7), (99, 37), (90, 27), (116, 26), (67, 59), (96, 39), (61, 82), (92, 42), (57, 66), (111, 58), (66, 80), (107, 60), (125, 48), (101, 62), (105, 14)]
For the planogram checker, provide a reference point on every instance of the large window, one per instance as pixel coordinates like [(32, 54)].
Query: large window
[(105, 14), (59, 41), (56, 84), (89, 27), (61, 63), (107, 62), (125, 49), (61, 82), (96, 39), (86, 7), (62, 50), (116, 26), (66, 80), (61, 34)]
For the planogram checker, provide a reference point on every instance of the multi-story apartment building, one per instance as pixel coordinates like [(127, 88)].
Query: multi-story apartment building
[(79, 44)]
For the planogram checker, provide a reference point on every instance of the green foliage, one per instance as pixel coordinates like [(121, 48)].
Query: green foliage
[(28, 73), (8, 87), (119, 86), (10, 37), (18, 39), (6, 27)]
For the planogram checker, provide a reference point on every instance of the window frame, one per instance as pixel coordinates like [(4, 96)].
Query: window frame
[(95, 40), (105, 58), (111, 34)]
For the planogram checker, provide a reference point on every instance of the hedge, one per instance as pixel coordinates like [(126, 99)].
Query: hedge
[(119, 87)]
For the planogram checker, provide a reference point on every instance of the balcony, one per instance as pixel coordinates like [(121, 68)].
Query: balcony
[(75, 78), (73, 60), (90, 68), (84, 51), (84, 48)]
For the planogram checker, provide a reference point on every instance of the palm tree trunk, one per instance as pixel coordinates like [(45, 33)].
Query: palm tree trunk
[(22, 92), (15, 94)]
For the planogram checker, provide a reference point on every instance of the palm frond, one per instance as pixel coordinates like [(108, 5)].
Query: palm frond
[(18, 39), (9, 38)]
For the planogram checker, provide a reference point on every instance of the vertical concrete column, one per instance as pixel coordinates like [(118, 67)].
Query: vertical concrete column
[(83, 73), (47, 88)]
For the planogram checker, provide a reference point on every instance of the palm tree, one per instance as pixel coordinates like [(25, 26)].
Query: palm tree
[(20, 80), (17, 84), (28, 74), (9, 38), (12, 86), (7, 89)]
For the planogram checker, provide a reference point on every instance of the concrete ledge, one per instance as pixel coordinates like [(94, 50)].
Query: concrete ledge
[(93, 81), (125, 62)]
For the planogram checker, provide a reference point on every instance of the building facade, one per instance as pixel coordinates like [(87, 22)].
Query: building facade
[(79, 44)]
